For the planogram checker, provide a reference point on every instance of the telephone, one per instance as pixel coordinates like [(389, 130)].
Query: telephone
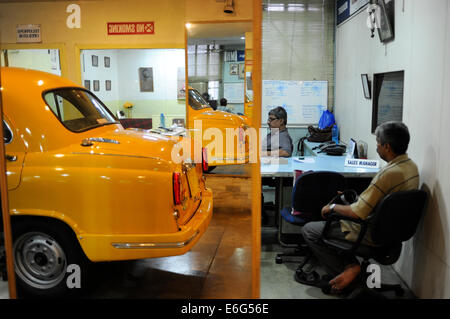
[(323, 145), (332, 149)]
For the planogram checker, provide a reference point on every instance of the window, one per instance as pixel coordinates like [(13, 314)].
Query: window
[(204, 62), (7, 133), (213, 90), (196, 101), (387, 98), (77, 109)]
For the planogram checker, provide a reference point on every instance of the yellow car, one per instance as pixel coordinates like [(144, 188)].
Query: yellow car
[(80, 185), (215, 126)]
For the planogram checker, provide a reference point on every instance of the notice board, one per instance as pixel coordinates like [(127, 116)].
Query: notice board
[(304, 101)]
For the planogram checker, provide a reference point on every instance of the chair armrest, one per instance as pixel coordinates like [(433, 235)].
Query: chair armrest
[(337, 217)]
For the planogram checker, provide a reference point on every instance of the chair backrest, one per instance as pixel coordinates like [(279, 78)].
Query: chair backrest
[(315, 189), (396, 217)]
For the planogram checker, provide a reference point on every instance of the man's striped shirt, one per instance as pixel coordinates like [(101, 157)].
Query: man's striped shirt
[(400, 174)]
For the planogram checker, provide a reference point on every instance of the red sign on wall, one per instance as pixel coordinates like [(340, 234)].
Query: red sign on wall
[(116, 28)]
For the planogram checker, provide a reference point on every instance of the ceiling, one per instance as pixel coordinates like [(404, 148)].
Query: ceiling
[(220, 33)]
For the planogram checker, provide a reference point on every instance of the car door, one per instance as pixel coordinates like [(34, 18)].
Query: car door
[(14, 154)]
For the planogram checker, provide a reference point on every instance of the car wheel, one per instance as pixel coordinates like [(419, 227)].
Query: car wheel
[(43, 251)]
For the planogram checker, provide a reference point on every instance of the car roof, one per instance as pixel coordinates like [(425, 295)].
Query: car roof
[(17, 78)]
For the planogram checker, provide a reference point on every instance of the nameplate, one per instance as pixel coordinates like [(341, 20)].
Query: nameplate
[(364, 163)]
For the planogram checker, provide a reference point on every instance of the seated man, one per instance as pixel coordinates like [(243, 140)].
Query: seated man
[(278, 142), (400, 174)]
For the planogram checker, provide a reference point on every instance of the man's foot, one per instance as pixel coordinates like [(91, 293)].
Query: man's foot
[(342, 280)]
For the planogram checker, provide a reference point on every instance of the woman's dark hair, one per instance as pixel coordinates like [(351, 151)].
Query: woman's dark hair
[(223, 102), (396, 134), (279, 112)]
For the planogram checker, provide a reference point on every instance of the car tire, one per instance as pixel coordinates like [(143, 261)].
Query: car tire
[(49, 262)]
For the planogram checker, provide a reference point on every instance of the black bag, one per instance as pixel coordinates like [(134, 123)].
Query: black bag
[(318, 135), (347, 197)]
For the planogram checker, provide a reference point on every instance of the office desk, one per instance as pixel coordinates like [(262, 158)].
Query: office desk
[(282, 169)]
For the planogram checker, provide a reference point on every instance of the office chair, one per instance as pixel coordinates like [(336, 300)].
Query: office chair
[(312, 190), (393, 221)]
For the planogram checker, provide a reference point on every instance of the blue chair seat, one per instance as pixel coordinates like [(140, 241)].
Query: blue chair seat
[(296, 218)]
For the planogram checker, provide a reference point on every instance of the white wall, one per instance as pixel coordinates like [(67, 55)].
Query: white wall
[(101, 73), (165, 64), (421, 48)]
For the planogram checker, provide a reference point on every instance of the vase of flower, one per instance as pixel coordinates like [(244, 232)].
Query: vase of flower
[(128, 107)]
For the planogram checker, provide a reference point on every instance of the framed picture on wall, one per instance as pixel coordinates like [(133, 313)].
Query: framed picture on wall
[(366, 86), (234, 69), (241, 71), (179, 122), (107, 62), (96, 85), (146, 79), (108, 85), (95, 60), (87, 84)]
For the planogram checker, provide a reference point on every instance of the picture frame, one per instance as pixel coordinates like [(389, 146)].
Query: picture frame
[(366, 86), (107, 85), (146, 79), (234, 69), (179, 122), (87, 84), (94, 60), (107, 61), (241, 73), (96, 85)]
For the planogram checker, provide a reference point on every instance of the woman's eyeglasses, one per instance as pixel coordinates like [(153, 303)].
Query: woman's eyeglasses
[(272, 119)]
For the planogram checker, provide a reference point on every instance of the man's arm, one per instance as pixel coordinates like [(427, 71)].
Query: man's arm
[(344, 210), (278, 153)]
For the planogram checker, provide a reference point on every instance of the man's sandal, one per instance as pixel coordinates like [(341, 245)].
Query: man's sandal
[(311, 278)]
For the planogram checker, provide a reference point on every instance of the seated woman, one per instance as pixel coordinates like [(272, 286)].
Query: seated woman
[(278, 142)]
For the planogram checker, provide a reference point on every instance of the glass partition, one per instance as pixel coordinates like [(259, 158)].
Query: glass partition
[(138, 83), (47, 60), (217, 60), (298, 46)]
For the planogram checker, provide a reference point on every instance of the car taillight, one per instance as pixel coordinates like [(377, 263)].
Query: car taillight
[(204, 160), (177, 188)]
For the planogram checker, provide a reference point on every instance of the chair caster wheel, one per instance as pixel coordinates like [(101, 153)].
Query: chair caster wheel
[(278, 260)]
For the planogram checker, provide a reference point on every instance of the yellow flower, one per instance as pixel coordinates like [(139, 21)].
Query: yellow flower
[(128, 105)]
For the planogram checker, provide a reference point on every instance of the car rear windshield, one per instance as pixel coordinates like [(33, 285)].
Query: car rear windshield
[(77, 109), (196, 101)]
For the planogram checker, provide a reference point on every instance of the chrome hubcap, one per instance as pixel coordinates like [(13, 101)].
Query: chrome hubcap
[(40, 261)]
